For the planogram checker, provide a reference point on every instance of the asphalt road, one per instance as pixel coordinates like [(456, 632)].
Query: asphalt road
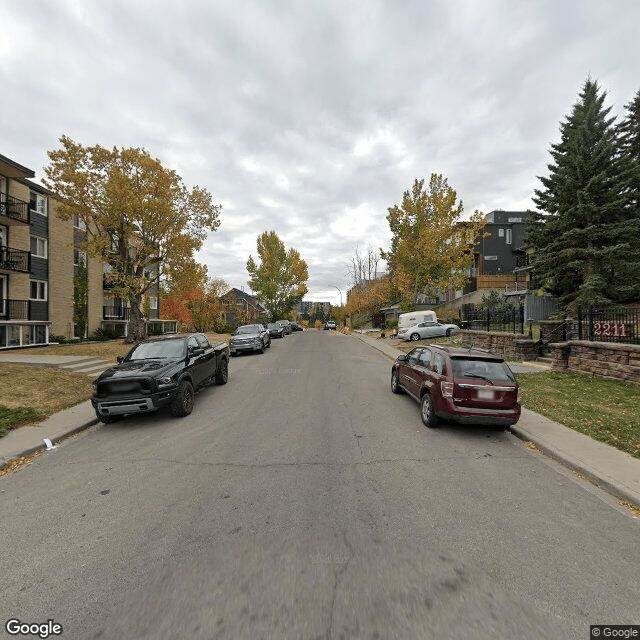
[(304, 500)]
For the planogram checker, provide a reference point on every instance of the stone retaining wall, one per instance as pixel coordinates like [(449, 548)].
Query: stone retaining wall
[(512, 346), (605, 359)]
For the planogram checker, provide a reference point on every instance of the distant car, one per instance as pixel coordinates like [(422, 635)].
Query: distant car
[(286, 324), (330, 324), (249, 337), (296, 327), (275, 330), (469, 386), (427, 330)]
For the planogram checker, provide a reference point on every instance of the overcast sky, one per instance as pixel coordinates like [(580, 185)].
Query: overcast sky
[(310, 118)]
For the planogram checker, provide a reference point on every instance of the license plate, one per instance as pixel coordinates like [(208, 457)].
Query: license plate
[(486, 394)]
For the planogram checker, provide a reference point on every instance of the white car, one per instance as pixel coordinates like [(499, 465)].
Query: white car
[(427, 330)]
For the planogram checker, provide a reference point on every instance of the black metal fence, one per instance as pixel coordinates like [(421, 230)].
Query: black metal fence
[(510, 320), (620, 324)]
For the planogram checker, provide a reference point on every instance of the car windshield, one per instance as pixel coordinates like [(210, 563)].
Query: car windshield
[(482, 369), (249, 328), (161, 349), (273, 326)]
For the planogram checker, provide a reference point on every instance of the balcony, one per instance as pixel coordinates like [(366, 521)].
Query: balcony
[(14, 209), (115, 313), (14, 260), (14, 309)]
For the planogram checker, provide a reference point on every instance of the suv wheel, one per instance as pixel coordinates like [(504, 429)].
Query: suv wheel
[(395, 385), (427, 411), (414, 337), (183, 402)]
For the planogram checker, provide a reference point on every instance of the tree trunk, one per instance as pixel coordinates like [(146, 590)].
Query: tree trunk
[(137, 325)]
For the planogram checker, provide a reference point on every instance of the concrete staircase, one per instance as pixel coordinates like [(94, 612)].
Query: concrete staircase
[(91, 367)]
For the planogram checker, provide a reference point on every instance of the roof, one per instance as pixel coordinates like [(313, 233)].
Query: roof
[(12, 169), (475, 352)]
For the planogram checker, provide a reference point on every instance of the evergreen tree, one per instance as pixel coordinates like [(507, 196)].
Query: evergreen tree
[(580, 236), (629, 132)]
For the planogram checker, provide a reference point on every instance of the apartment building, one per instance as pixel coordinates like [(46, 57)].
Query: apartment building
[(40, 256)]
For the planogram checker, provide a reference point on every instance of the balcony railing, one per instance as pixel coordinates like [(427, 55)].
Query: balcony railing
[(14, 259), (15, 209), (115, 313), (14, 309)]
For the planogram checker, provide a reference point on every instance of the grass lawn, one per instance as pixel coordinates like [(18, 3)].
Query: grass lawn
[(31, 394), (606, 410)]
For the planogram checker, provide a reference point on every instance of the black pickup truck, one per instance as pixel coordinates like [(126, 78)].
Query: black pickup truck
[(157, 373)]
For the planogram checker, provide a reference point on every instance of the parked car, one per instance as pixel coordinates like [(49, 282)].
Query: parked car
[(469, 386), (249, 337), (275, 330), (286, 324), (427, 330), (296, 327), (330, 324), (157, 373)]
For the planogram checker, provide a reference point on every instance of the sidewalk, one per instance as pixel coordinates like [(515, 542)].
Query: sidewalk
[(609, 468)]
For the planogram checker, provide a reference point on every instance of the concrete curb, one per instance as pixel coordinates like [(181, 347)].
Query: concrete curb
[(27, 440)]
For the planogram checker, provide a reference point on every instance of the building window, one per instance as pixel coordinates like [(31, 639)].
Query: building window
[(508, 236), (515, 219), (38, 203), (78, 222), (38, 247), (37, 290), (491, 257), (79, 256), (500, 233), (153, 302)]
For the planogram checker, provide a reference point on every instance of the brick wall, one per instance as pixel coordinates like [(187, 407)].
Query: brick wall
[(60, 274)]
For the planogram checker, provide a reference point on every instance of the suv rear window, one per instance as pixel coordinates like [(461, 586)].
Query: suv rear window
[(492, 370)]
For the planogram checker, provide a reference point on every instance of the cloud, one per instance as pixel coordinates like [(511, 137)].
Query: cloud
[(311, 119)]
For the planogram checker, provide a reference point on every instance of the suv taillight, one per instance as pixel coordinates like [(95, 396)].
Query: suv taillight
[(447, 389)]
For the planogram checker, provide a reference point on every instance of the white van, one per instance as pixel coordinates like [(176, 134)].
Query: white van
[(415, 317)]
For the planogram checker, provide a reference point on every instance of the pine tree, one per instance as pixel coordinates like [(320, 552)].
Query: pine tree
[(580, 237), (629, 133)]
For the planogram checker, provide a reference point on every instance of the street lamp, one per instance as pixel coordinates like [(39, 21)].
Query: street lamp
[(334, 287)]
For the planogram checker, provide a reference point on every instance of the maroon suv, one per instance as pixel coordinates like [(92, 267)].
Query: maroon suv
[(470, 386)]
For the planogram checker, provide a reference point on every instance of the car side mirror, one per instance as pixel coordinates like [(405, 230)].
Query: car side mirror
[(120, 359), (401, 358), (196, 351)]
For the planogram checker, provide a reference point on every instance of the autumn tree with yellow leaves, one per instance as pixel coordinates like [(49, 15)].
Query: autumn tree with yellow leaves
[(141, 220), (280, 278), (431, 245)]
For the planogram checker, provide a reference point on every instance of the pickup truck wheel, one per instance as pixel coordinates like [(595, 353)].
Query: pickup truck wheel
[(182, 405), (448, 332), (261, 349), (222, 374), (414, 337), (427, 411)]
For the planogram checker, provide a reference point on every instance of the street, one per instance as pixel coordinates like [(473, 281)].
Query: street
[(304, 500)]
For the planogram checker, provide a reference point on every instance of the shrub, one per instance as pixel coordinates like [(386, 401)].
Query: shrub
[(59, 339)]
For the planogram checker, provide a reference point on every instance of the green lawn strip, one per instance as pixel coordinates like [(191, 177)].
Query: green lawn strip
[(11, 418), (606, 410)]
